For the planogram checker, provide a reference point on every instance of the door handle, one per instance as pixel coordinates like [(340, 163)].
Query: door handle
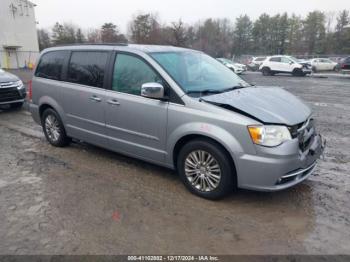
[(113, 102), (95, 99)]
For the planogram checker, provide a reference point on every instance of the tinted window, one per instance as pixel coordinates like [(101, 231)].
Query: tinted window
[(275, 59), (130, 73), (87, 68), (51, 65)]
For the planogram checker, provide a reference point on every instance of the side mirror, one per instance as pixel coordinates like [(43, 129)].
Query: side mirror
[(152, 90)]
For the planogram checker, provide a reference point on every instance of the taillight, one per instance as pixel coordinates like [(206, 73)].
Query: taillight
[(30, 90)]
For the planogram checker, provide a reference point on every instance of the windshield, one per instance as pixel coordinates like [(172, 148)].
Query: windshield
[(296, 60), (197, 72), (225, 60)]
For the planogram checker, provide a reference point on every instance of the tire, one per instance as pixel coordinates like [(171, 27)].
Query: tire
[(192, 175), (54, 129), (298, 72), (266, 71), (16, 105)]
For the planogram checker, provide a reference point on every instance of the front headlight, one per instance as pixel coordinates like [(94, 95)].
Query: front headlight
[(269, 136), (19, 85)]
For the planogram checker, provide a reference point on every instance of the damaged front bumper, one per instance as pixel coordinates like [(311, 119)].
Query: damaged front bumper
[(274, 173)]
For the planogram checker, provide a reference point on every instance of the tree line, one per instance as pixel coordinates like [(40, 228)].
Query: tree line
[(315, 34)]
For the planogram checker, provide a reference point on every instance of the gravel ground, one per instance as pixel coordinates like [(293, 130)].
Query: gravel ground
[(86, 200)]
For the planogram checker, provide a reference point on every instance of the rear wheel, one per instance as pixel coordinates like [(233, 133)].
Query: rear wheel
[(266, 71), (54, 129), (206, 170)]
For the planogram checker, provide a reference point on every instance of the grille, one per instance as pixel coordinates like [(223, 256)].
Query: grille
[(306, 134), (8, 85), (9, 94)]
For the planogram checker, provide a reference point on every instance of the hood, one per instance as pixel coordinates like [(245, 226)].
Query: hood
[(239, 65), (7, 77), (267, 104)]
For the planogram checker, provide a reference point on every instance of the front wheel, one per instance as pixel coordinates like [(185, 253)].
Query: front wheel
[(54, 129), (206, 170), (266, 71), (298, 72)]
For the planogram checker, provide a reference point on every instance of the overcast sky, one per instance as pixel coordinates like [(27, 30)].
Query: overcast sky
[(93, 13)]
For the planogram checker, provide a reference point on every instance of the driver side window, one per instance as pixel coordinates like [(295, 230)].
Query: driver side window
[(285, 60), (130, 73)]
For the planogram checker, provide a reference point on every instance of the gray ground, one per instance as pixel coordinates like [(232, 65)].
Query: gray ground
[(86, 200)]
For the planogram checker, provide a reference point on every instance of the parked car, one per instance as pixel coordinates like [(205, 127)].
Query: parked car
[(235, 67), (284, 64), (177, 108), (344, 64), (323, 64), (256, 63), (12, 90)]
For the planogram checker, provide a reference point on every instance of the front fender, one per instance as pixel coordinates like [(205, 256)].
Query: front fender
[(216, 133)]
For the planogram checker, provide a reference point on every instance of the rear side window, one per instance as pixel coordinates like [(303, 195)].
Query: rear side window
[(275, 59), (87, 68), (51, 65)]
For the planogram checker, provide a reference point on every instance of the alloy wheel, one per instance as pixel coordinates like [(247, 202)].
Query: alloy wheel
[(52, 128), (202, 171)]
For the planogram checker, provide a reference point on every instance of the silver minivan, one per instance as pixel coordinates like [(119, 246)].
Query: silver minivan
[(177, 108)]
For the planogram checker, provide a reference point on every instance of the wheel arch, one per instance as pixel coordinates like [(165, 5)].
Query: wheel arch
[(187, 138), (190, 137), (47, 102)]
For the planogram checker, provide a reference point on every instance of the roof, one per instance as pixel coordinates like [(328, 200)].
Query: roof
[(157, 48), (124, 47)]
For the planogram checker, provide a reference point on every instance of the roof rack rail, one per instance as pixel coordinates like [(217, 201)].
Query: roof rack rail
[(97, 44)]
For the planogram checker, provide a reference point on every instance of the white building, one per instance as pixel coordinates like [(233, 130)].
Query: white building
[(19, 46)]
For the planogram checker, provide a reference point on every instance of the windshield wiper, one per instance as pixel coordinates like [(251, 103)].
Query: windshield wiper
[(205, 91), (215, 91), (232, 88)]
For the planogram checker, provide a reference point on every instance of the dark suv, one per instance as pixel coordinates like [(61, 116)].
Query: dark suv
[(345, 64), (12, 90)]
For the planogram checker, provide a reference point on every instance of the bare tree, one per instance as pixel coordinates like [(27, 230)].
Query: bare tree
[(145, 29), (94, 36), (44, 39), (110, 34)]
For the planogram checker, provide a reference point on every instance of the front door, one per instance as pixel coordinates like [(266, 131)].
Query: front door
[(287, 64), (84, 96), (135, 125)]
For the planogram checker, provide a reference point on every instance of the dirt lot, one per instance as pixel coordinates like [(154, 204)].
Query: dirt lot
[(86, 200)]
